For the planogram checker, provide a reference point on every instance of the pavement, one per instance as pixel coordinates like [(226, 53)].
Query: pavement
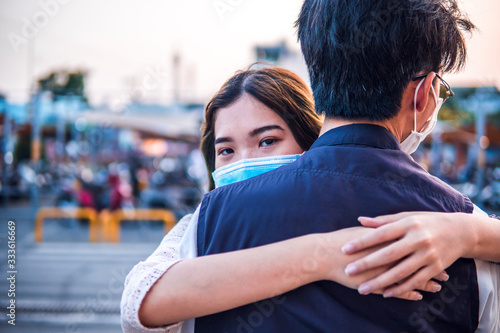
[(67, 284)]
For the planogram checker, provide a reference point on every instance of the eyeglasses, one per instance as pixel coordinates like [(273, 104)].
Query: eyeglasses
[(445, 91)]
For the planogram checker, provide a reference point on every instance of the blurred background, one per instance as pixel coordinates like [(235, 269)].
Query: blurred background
[(101, 105)]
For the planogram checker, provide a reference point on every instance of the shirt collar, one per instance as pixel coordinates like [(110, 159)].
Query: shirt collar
[(358, 134)]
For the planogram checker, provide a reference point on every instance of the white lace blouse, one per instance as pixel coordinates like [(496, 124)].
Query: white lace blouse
[(178, 244)]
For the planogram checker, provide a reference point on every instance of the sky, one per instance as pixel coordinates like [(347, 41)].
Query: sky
[(128, 46)]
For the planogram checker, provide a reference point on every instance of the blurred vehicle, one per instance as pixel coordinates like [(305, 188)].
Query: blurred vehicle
[(490, 195), (16, 187), (74, 192)]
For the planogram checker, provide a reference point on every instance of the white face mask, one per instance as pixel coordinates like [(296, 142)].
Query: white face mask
[(411, 143), (245, 169)]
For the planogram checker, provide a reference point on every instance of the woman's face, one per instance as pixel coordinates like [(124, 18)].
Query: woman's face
[(249, 129)]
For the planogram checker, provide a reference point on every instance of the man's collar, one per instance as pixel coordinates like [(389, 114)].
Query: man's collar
[(358, 134)]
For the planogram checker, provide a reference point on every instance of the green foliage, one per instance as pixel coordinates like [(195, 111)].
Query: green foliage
[(456, 116), (455, 111), (3, 103), (22, 151), (64, 83)]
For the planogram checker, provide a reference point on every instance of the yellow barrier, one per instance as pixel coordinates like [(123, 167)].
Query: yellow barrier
[(112, 221), (105, 218), (67, 213)]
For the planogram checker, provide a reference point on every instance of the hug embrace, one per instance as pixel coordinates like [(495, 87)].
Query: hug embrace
[(277, 246)]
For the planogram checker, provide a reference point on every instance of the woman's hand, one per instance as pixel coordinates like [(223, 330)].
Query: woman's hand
[(423, 245), (335, 270)]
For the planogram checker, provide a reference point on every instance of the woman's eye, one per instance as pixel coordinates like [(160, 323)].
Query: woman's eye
[(226, 151), (268, 142)]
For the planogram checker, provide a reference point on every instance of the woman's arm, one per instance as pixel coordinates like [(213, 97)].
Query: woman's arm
[(146, 273), (487, 238), (216, 283), (425, 243)]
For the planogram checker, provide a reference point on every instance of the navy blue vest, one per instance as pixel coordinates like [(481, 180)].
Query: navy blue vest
[(351, 171)]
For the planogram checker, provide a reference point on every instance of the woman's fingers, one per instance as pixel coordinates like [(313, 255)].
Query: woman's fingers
[(430, 287), (443, 276), (411, 296), (414, 295), (375, 222), (396, 275), (377, 236), (386, 255), (386, 231), (400, 280), (419, 249), (418, 279)]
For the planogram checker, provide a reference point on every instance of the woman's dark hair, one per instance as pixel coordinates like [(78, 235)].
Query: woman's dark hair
[(279, 89), (362, 54)]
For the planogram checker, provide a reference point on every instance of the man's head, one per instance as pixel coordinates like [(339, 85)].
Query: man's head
[(363, 54)]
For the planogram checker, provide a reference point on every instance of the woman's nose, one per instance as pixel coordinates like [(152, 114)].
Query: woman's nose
[(248, 153)]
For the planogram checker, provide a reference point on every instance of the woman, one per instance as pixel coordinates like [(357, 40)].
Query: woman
[(257, 113)]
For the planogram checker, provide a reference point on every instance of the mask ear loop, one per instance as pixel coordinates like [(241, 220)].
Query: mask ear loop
[(436, 97), (415, 105)]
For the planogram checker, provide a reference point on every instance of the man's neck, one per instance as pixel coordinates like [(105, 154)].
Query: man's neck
[(390, 125)]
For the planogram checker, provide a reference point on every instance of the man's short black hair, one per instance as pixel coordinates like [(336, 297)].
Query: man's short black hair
[(362, 54)]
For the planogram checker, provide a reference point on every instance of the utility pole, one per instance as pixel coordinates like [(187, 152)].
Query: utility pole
[(33, 114), (481, 150), (176, 70), (7, 149), (60, 130)]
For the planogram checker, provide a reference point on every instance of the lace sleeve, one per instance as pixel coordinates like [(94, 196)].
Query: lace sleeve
[(145, 274)]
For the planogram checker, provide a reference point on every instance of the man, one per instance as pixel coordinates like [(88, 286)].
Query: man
[(375, 70)]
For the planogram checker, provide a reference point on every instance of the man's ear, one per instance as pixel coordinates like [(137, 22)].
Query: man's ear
[(423, 91)]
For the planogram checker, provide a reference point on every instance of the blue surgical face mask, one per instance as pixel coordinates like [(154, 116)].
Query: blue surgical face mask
[(245, 169)]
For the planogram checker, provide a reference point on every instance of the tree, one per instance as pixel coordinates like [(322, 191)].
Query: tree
[(64, 83)]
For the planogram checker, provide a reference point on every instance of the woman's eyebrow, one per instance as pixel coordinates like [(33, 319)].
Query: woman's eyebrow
[(222, 140), (264, 129)]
